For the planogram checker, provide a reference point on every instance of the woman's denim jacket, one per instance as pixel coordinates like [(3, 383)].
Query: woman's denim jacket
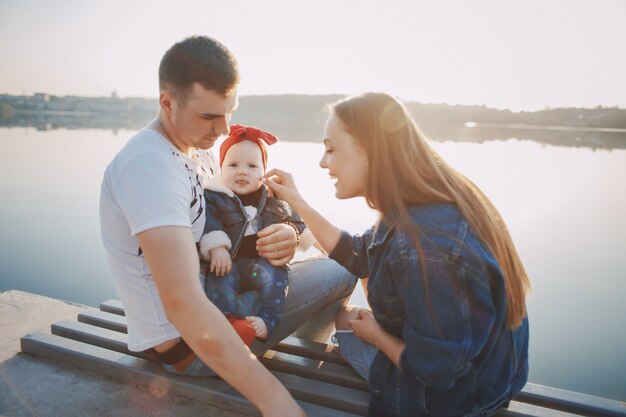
[(225, 213), (465, 362)]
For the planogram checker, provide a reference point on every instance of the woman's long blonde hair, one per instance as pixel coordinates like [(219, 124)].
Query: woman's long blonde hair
[(397, 149)]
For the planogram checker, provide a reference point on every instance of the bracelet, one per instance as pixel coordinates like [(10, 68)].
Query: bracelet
[(295, 228)]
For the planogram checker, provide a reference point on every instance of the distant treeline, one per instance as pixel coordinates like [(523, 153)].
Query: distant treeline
[(302, 117)]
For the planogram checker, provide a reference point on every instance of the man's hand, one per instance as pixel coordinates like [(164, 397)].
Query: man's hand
[(277, 243), (220, 261)]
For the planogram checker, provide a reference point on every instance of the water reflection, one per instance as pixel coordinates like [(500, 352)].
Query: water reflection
[(299, 118), (564, 207)]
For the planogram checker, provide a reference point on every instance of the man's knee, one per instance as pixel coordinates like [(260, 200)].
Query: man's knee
[(341, 277), (344, 315)]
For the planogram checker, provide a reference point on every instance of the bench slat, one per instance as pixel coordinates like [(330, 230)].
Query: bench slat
[(533, 394), (314, 369), (278, 361), (135, 370), (571, 402), (112, 306), (289, 363), (96, 336), (316, 389), (292, 345), (103, 319)]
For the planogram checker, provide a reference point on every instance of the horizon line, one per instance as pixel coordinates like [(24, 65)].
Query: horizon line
[(115, 96)]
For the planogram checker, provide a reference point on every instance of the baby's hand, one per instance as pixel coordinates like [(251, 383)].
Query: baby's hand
[(220, 261)]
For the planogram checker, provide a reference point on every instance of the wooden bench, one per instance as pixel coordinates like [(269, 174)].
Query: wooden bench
[(314, 373)]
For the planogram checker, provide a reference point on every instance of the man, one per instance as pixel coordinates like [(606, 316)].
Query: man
[(152, 215)]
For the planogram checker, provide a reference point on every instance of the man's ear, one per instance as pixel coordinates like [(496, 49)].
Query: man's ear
[(166, 101)]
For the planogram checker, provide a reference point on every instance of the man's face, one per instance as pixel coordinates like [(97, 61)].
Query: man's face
[(242, 167), (198, 120)]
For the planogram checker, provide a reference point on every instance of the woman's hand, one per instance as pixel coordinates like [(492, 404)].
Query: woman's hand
[(281, 184), (366, 327), (277, 243)]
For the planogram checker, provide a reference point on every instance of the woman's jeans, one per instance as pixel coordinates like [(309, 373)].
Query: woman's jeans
[(318, 287)]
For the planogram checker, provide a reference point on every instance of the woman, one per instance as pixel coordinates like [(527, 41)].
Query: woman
[(447, 334)]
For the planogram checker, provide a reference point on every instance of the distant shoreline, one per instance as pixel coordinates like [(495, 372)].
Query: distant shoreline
[(301, 118), (473, 125)]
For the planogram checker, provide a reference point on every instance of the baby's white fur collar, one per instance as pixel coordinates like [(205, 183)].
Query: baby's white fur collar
[(216, 183)]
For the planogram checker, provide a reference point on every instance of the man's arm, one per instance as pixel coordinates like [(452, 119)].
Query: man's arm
[(171, 254)]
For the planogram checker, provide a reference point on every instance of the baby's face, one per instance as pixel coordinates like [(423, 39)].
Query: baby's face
[(242, 167)]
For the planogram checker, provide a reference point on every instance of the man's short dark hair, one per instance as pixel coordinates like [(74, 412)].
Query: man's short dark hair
[(198, 59)]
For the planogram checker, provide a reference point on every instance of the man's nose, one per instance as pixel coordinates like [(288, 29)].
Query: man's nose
[(221, 126)]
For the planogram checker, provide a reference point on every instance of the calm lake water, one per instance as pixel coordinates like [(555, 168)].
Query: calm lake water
[(565, 206)]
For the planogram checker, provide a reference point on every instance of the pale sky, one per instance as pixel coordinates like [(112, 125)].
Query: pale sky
[(517, 54)]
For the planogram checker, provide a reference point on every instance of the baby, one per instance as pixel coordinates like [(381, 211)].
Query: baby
[(238, 206)]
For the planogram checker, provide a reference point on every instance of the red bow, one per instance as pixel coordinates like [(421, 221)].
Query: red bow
[(251, 133), (239, 133)]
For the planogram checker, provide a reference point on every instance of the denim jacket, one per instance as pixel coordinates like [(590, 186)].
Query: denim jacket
[(226, 219), (463, 363)]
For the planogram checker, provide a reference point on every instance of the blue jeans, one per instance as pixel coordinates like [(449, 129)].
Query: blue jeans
[(358, 353), (250, 274), (318, 287)]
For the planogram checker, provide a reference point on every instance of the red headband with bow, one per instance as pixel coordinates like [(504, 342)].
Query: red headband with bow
[(239, 133)]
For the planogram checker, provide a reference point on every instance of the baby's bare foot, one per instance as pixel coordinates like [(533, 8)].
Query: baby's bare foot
[(258, 325)]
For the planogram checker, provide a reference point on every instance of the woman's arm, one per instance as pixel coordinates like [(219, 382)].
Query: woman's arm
[(349, 251), (282, 184)]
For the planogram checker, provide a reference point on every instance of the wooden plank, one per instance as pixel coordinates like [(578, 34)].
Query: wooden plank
[(571, 402), (139, 371), (103, 319), (101, 335), (527, 410), (310, 349), (314, 369), (109, 339), (96, 336), (113, 306), (323, 393), (533, 394), (292, 345), (323, 388)]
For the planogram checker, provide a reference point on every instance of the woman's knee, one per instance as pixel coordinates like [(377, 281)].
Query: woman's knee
[(344, 315)]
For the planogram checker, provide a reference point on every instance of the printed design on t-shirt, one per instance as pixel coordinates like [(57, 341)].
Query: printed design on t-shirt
[(196, 197), (211, 158), (196, 187)]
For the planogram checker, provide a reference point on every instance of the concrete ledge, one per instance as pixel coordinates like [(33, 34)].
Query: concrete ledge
[(32, 386)]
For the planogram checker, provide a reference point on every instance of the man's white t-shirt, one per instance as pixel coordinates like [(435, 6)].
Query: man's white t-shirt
[(149, 183)]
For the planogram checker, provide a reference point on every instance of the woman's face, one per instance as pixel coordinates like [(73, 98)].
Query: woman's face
[(345, 160)]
